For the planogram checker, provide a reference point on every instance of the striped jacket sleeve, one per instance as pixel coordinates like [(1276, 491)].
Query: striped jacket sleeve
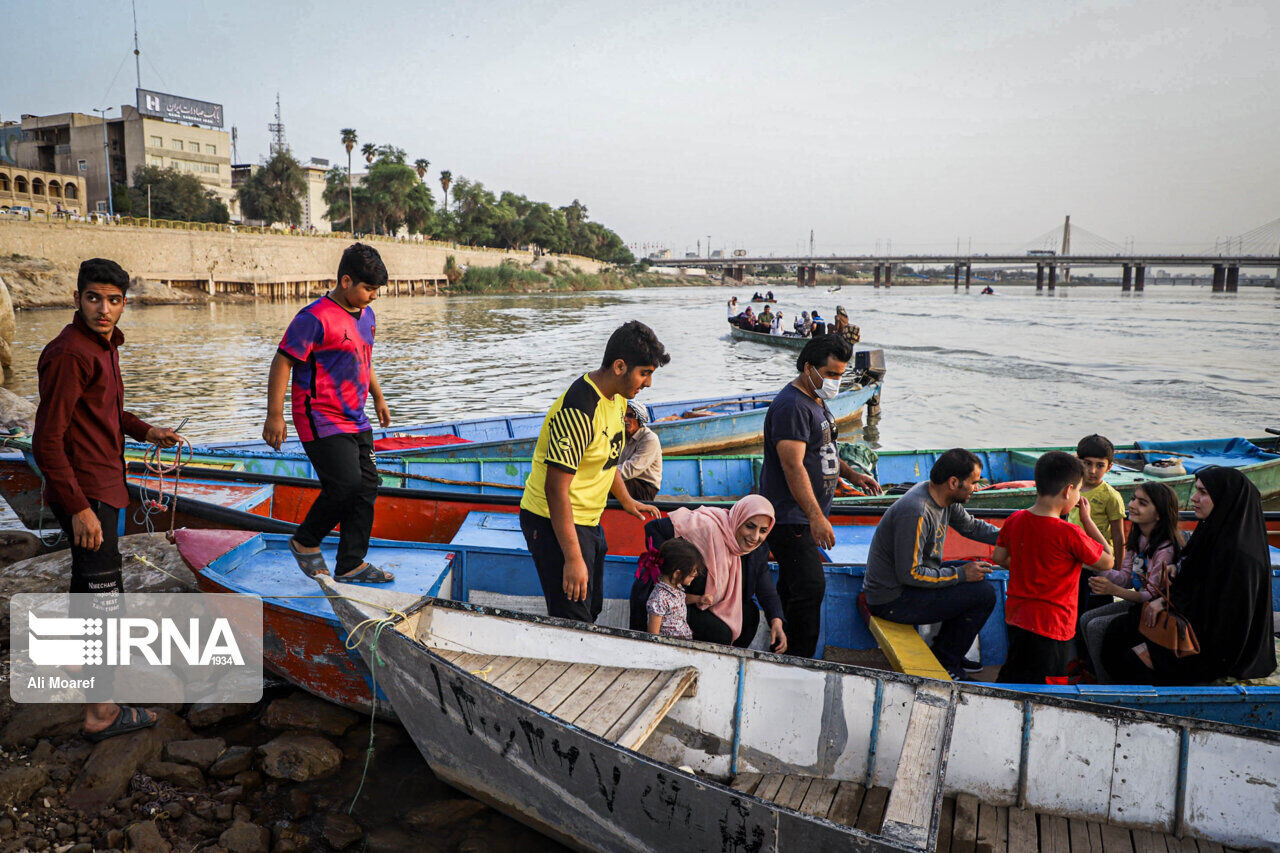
[(568, 435)]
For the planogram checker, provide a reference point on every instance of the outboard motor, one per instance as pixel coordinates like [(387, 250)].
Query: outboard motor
[(868, 365)]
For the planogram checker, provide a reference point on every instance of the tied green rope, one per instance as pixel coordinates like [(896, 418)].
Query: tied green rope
[(375, 660)]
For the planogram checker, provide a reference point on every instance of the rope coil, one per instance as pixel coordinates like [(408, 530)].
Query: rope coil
[(160, 470)]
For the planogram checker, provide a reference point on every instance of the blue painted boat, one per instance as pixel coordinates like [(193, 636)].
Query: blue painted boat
[(731, 421), (486, 563)]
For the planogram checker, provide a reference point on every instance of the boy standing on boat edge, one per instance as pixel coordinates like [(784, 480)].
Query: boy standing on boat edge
[(801, 469), (328, 347), (575, 469)]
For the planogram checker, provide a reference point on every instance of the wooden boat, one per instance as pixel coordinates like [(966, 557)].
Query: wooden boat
[(730, 421), (485, 563), (608, 740), (794, 342)]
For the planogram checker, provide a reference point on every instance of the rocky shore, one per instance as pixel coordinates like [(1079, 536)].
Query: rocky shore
[(279, 775)]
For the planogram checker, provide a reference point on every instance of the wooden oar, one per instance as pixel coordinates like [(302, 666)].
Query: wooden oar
[(406, 476)]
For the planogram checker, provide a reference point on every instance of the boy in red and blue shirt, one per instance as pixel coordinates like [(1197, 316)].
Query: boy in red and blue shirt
[(328, 347), (1044, 554)]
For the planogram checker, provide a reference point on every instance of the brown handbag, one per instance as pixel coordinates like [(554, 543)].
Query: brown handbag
[(1171, 629)]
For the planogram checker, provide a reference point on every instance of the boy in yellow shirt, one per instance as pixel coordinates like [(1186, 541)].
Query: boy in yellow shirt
[(1106, 506)]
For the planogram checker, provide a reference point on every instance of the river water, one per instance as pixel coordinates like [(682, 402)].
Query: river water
[(963, 369)]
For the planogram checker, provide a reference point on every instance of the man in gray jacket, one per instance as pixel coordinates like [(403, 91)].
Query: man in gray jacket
[(908, 581), (640, 462)]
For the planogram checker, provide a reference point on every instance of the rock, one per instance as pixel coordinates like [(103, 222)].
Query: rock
[(299, 757), (64, 829), (232, 761), (204, 714), (39, 721), (297, 803), (250, 780), (109, 768), (82, 847), (36, 282), (8, 327), (114, 839), (18, 784), (54, 570), (15, 412), (442, 813), (42, 753), (341, 831), (241, 813), (308, 713), (144, 837), (198, 753), (245, 837), (144, 291), (234, 794), (179, 775)]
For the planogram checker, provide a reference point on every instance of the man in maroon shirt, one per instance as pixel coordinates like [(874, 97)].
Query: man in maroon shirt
[(79, 446)]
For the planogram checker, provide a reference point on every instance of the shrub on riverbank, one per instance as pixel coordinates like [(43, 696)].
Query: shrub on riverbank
[(561, 275), (504, 278)]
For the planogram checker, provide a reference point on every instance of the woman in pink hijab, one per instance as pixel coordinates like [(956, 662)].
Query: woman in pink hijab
[(722, 603)]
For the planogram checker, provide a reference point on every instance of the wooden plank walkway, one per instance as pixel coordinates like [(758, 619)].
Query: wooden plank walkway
[(967, 825), (622, 704)]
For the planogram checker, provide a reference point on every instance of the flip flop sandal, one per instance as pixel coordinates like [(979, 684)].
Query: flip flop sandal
[(311, 564), (130, 719), (369, 574)]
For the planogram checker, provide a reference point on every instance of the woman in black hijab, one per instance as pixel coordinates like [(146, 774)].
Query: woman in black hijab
[(1222, 587)]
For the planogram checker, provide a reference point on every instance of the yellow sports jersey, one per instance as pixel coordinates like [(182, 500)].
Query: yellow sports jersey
[(583, 434), (1105, 506)]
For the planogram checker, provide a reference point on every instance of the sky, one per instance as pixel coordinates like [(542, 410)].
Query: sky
[(928, 124)]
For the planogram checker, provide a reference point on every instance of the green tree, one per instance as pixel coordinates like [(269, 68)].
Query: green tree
[(474, 213), (349, 140), (446, 178), (369, 150), (175, 195), (420, 166), (452, 272), (274, 191)]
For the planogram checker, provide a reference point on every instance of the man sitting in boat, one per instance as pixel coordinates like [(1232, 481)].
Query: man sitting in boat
[(746, 320), (844, 328), (775, 328), (819, 324), (733, 307), (765, 321), (756, 297), (640, 462), (575, 469), (803, 325), (769, 296), (907, 580)]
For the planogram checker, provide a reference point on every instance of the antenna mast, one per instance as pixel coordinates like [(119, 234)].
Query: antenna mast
[(277, 131), (137, 54), (235, 137)]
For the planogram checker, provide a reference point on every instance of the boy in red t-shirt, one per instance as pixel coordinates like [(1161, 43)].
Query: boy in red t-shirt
[(1043, 554)]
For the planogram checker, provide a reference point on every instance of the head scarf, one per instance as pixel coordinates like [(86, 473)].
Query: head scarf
[(1223, 584), (713, 531), (804, 314), (639, 412)]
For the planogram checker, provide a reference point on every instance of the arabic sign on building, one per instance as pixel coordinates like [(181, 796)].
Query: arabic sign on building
[(173, 108)]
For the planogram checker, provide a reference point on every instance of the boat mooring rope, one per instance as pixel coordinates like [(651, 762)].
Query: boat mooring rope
[(154, 466), (354, 639)]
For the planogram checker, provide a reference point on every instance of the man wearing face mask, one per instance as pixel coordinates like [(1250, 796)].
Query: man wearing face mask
[(801, 469)]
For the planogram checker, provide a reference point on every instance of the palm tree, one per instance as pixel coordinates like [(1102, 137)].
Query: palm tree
[(369, 150), (421, 167), (349, 141), (446, 178)]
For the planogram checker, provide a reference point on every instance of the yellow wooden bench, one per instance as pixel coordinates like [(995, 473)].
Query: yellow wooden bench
[(903, 646)]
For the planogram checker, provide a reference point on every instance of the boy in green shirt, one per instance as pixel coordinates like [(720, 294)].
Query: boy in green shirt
[(1106, 507)]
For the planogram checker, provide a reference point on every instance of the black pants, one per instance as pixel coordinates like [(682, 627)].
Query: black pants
[(1034, 658), (548, 559), (801, 585), (348, 490), (96, 572), (641, 490), (962, 609)]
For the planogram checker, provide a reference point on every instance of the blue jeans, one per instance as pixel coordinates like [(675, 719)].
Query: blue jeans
[(962, 609)]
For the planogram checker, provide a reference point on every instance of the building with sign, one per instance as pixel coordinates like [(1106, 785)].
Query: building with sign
[(72, 144)]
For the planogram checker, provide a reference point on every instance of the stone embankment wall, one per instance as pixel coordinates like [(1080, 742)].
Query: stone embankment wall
[(230, 261)]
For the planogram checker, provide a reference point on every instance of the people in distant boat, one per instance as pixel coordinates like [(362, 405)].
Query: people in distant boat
[(724, 603), (1044, 554), (1150, 555), (775, 328), (844, 328), (640, 462), (672, 568), (819, 325), (908, 580), (988, 290), (769, 296), (799, 477), (803, 325), (733, 307), (756, 297), (1222, 588), (575, 469), (327, 348), (765, 321)]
